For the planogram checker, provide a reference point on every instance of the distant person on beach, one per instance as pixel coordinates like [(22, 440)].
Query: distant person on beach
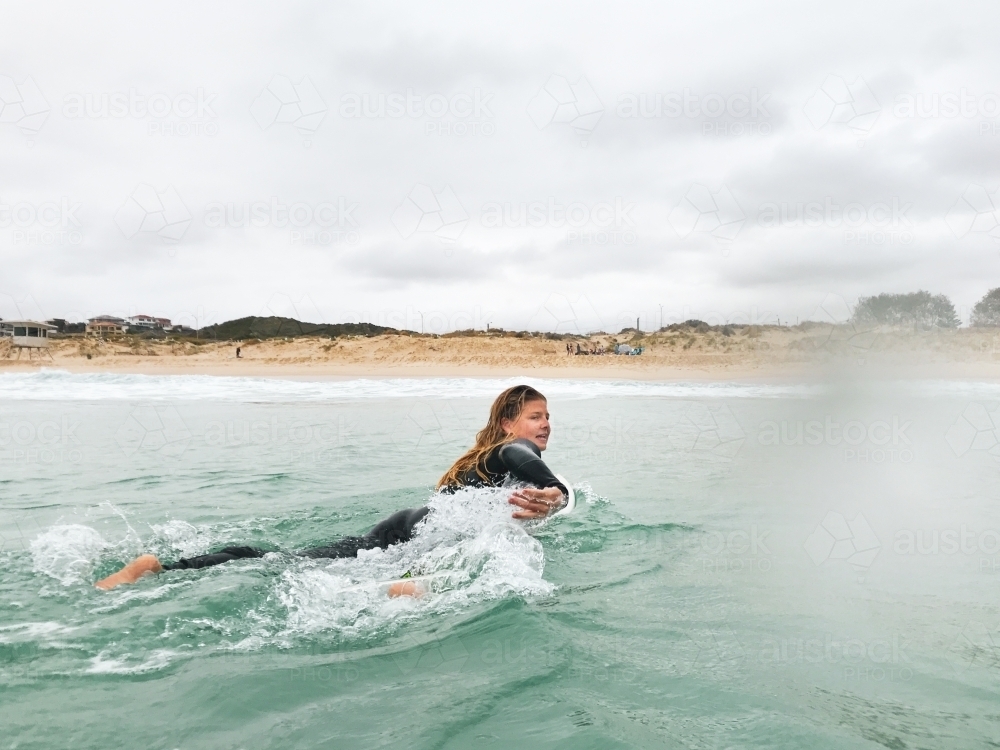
[(510, 445), (238, 353)]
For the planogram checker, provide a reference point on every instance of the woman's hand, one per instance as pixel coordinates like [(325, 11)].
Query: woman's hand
[(537, 503)]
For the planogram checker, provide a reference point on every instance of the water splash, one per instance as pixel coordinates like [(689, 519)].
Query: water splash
[(468, 543), (468, 547), (67, 553)]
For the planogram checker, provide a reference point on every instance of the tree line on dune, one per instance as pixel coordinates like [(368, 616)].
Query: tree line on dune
[(918, 310), (924, 310)]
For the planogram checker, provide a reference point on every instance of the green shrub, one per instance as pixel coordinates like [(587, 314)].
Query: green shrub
[(921, 310), (986, 313)]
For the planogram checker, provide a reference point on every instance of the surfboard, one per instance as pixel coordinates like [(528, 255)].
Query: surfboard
[(570, 498)]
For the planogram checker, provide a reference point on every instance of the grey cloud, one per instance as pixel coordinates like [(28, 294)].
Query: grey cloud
[(785, 50)]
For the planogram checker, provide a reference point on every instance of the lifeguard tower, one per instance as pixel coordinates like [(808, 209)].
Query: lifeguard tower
[(26, 334)]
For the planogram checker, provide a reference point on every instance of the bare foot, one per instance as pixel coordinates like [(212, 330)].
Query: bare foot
[(407, 588), (139, 567)]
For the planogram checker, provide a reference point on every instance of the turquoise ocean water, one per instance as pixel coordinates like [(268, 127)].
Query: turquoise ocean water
[(793, 566)]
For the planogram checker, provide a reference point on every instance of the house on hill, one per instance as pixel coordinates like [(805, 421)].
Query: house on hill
[(105, 325), (148, 322)]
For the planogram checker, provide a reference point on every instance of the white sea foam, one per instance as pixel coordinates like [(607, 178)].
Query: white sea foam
[(954, 388), (141, 663), (67, 553), (57, 385), (182, 537), (30, 631), (468, 543)]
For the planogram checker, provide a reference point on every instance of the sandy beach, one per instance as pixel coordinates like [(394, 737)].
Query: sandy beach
[(747, 353)]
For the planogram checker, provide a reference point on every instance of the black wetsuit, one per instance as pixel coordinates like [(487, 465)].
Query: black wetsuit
[(520, 459)]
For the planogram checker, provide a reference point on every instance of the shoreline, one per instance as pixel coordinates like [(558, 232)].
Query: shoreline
[(418, 371), (884, 371), (773, 356)]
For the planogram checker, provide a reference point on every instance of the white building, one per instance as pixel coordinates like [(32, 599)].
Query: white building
[(147, 322), (26, 334), (141, 321)]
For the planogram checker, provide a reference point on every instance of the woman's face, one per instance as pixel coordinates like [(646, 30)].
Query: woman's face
[(532, 423)]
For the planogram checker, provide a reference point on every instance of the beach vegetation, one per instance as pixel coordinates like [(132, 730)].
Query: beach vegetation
[(920, 310), (986, 312), (274, 327)]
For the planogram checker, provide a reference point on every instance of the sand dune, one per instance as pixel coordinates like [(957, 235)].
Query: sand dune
[(745, 353)]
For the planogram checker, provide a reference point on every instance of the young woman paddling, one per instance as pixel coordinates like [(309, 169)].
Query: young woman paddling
[(510, 445)]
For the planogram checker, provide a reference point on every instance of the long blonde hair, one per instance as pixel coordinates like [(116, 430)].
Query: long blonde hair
[(508, 405)]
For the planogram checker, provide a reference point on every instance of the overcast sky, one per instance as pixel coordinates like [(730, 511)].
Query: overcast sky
[(565, 166)]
